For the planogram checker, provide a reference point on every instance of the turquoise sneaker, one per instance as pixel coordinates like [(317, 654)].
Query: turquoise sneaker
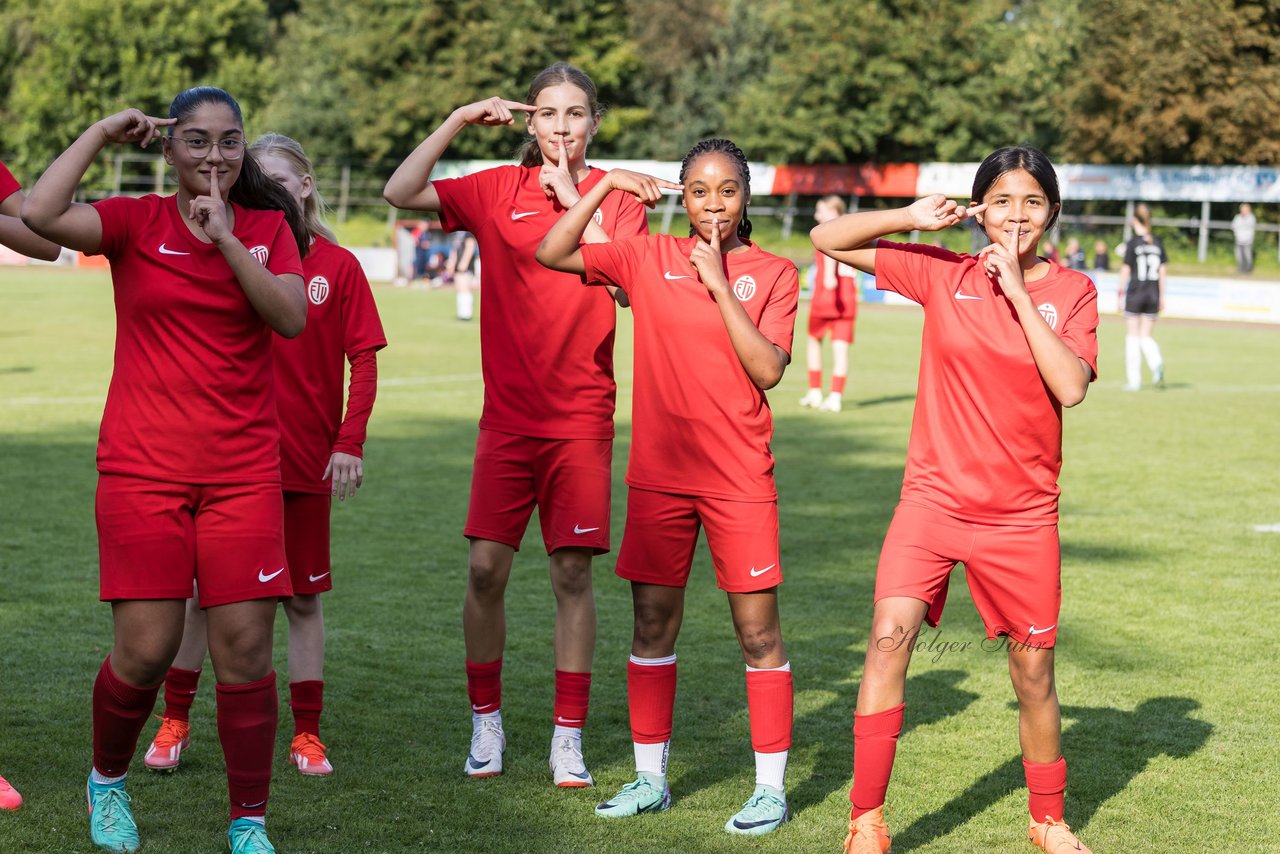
[(649, 793), (764, 812), (111, 819), (248, 837)]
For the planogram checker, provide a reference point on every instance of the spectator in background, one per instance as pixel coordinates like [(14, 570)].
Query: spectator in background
[(1049, 251), (1075, 255), (1243, 225), (1101, 256)]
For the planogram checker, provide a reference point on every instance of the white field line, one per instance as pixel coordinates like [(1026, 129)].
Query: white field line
[(1268, 529)]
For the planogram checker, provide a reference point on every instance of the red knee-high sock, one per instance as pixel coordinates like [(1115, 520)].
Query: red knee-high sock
[(875, 740), (306, 699), (573, 693), (815, 379), (770, 703), (180, 692), (247, 728), (1046, 787), (651, 698), (484, 686), (119, 712), (837, 384)]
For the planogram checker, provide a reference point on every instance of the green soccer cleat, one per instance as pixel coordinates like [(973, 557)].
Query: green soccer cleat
[(764, 812), (248, 837), (111, 819), (649, 793)]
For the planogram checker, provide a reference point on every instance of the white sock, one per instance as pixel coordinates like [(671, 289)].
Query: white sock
[(466, 305), (490, 716), (771, 769), (1151, 352), (574, 732), (100, 779), (652, 758), (1132, 361), (260, 820)]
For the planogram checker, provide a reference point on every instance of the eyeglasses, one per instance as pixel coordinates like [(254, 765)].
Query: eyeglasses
[(199, 147)]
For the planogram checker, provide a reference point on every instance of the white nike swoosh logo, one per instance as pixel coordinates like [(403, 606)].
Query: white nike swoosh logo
[(264, 578), (164, 250), (314, 578), (673, 278), (1034, 631), (758, 572), (522, 215), (578, 530), (965, 296)]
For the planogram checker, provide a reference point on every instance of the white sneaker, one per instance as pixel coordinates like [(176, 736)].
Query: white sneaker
[(833, 403), (568, 770), (812, 398), (487, 743)]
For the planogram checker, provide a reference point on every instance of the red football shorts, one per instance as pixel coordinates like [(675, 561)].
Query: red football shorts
[(841, 328), (155, 539), (662, 530), (1013, 571), (306, 541), (567, 479)]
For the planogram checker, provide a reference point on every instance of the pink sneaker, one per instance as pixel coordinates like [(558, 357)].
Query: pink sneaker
[(165, 752), (9, 797), (307, 753)]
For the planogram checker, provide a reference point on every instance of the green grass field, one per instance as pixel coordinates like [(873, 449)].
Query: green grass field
[(1166, 663)]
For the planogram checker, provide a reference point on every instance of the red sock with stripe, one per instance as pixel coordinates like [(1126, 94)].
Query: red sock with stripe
[(1046, 788), (484, 686), (573, 694), (180, 692), (120, 711), (247, 717), (306, 699), (651, 700), (875, 741), (770, 703)]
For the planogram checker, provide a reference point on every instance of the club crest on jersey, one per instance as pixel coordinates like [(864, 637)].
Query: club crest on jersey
[(261, 253), (1049, 312), (599, 218), (318, 290), (745, 288)]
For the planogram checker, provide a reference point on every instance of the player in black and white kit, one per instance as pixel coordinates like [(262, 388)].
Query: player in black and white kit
[(1142, 290)]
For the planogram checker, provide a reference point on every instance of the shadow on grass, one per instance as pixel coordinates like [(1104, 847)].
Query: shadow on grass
[(1106, 749)]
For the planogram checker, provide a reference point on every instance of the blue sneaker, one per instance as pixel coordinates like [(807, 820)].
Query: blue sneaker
[(764, 812), (649, 793), (248, 837), (111, 819)]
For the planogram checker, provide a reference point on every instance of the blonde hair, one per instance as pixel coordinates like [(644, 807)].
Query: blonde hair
[(1142, 214), (834, 202), (313, 206)]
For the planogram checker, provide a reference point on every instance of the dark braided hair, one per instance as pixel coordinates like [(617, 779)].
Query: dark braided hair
[(727, 148), (553, 75), (253, 189)]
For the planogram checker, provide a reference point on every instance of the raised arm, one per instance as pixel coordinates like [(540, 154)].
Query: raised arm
[(851, 238), (49, 210), (15, 235), (409, 187), (560, 250)]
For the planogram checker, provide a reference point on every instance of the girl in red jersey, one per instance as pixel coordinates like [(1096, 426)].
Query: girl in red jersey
[(833, 307), (19, 238), (1009, 339), (188, 456), (713, 323), (546, 432), (320, 457)]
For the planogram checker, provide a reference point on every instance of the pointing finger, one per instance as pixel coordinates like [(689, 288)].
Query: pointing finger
[(516, 105), (715, 236), (214, 190)]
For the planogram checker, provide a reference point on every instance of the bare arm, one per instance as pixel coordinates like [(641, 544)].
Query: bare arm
[(851, 238), (15, 235), (409, 187)]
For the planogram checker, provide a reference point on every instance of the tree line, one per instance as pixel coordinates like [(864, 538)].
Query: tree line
[(797, 81)]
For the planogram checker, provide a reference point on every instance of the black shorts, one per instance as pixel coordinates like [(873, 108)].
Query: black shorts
[(1142, 298)]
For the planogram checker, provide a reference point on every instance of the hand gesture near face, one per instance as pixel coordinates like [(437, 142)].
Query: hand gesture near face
[(492, 111), (646, 188), (210, 212), (557, 181), (709, 262), (1002, 265), (936, 212), (133, 125)]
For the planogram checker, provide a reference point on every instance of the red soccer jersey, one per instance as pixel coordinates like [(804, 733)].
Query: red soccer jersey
[(8, 184), (191, 398), (699, 425), (986, 438), (342, 320), (546, 342), (834, 289)]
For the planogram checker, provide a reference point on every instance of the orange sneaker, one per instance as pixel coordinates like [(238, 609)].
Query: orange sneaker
[(9, 797), (1055, 837), (868, 834), (165, 752), (307, 753)]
